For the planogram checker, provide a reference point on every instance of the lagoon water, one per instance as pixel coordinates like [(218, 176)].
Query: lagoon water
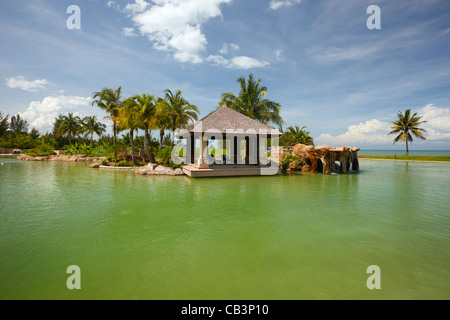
[(303, 236)]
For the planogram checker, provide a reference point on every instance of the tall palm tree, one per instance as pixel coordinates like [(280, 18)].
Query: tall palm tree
[(110, 100), (406, 125), (147, 107), (295, 135), (162, 119), (251, 101), (67, 126), (179, 111), (90, 125), (129, 118)]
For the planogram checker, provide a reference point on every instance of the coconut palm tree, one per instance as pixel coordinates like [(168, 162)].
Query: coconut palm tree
[(4, 124), (90, 125), (162, 120), (147, 107), (67, 126), (295, 135), (406, 125), (251, 101), (129, 118), (180, 111), (110, 100)]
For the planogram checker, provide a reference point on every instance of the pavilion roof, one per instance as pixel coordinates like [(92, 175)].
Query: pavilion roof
[(224, 118)]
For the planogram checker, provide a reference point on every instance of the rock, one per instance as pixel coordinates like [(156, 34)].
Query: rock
[(95, 165), (295, 166), (355, 161), (153, 169), (323, 153)]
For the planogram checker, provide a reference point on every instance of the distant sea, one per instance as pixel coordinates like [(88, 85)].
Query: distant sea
[(430, 153)]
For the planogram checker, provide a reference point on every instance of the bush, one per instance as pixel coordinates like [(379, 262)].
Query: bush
[(164, 156), (125, 164), (288, 159)]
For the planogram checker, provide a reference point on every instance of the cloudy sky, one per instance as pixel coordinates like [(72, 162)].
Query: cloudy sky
[(318, 58)]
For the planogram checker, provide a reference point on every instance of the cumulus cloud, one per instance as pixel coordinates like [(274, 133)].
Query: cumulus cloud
[(175, 25), (42, 114), (240, 62), (20, 82), (370, 132), (374, 132), (277, 4)]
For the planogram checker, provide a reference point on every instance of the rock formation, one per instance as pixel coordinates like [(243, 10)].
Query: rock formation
[(61, 158), (154, 169), (324, 158)]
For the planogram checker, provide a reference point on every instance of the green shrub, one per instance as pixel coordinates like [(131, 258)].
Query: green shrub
[(125, 164), (164, 156), (288, 159)]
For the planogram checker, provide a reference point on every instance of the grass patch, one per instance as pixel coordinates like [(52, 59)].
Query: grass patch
[(410, 158)]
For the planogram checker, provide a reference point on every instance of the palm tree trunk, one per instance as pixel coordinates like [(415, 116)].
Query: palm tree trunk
[(161, 137), (115, 142), (146, 146), (407, 149), (132, 147), (92, 139)]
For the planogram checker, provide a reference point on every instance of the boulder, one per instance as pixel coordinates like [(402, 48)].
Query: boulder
[(295, 166), (323, 154), (154, 169), (95, 165)]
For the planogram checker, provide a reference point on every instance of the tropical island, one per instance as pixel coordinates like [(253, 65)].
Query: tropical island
[(72, 137)]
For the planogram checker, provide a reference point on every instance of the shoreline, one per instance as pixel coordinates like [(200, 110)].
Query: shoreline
[(398, 160)]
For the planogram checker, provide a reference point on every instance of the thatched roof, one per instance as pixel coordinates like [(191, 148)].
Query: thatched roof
[(224, 118)]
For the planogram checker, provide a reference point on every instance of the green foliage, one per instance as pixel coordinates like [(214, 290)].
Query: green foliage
[(288, 159), (295, 135), (251, 101), (164, 156), (125, 164), (18, 124), (14, 140), (4, 124)]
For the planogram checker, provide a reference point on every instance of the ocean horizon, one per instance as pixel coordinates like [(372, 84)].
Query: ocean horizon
[(424, 153)]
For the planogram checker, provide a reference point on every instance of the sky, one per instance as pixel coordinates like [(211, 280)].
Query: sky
[(318, 58)]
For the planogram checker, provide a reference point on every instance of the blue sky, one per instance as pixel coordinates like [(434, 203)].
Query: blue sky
[(317, 58)]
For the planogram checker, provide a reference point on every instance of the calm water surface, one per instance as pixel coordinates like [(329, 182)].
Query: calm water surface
[(306, 236)]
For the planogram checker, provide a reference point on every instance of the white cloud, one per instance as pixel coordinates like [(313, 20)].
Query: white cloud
[(240, 62), (20, 82), (175, 25), (128, 32), (227, 47), (370, 132), (375, 132), (42, 114), (276, 4), (438, 122), (137, 7)]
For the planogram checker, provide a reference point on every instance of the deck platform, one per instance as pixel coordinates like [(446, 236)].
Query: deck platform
[(223, 170)]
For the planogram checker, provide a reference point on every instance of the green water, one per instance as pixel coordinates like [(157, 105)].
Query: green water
[(307, 236)]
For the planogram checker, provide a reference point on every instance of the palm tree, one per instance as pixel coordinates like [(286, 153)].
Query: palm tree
[(295, 135), (405, 125), (67, 125), (162, 119), (252, 103), (147, 108), (179, 110), (4, 124), (129, 118), (110, 100), (90, 125)]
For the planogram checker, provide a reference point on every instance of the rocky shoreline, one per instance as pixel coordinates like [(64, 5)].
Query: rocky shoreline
[(61, 158)]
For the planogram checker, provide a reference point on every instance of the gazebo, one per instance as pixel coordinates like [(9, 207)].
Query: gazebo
[(228, 143)]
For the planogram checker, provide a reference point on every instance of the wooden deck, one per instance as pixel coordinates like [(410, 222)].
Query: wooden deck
[(222, 171)]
